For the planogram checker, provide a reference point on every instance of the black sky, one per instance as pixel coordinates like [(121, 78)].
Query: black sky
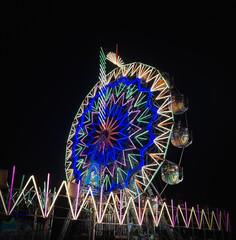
[(50, 62)]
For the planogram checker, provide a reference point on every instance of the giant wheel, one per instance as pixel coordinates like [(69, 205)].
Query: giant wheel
[(120, 135)]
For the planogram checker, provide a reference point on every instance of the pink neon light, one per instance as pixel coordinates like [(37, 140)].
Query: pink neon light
[(226, 227), (77, 198), (186, 214), (176, 213), (229, 226), (217, 216), (198, 215), (112, 170), (227, 222), (10, 196), (46, 203)]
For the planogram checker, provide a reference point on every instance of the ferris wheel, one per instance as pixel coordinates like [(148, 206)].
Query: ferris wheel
[(121, 133)]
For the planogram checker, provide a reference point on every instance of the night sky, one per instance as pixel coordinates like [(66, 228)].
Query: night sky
[(50, 62)]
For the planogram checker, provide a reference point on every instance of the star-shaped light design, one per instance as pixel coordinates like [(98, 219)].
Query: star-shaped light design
[(118, 143), (107, 144)]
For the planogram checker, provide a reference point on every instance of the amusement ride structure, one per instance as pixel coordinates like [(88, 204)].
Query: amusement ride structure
[(116, 164)]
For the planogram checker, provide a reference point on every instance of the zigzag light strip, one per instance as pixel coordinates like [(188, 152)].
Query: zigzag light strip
[(187, 215)]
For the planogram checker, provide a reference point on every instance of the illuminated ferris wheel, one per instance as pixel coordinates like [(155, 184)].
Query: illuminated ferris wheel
[(121, 133)]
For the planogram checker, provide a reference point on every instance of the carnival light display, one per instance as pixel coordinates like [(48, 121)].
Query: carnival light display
[(117, 146), (120, 135)]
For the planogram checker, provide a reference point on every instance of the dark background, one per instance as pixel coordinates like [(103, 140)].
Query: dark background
[(50, 62)]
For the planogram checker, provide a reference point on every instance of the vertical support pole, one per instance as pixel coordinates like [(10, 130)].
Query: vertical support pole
[(90, 225), (46, 229), (35, 224), (94, 229), (214, 234), (153, 231), (128, 225), (147, 224), (50, 225), (192, 229), (46, 202), (178, 224), (12, 181), (186, 214)]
